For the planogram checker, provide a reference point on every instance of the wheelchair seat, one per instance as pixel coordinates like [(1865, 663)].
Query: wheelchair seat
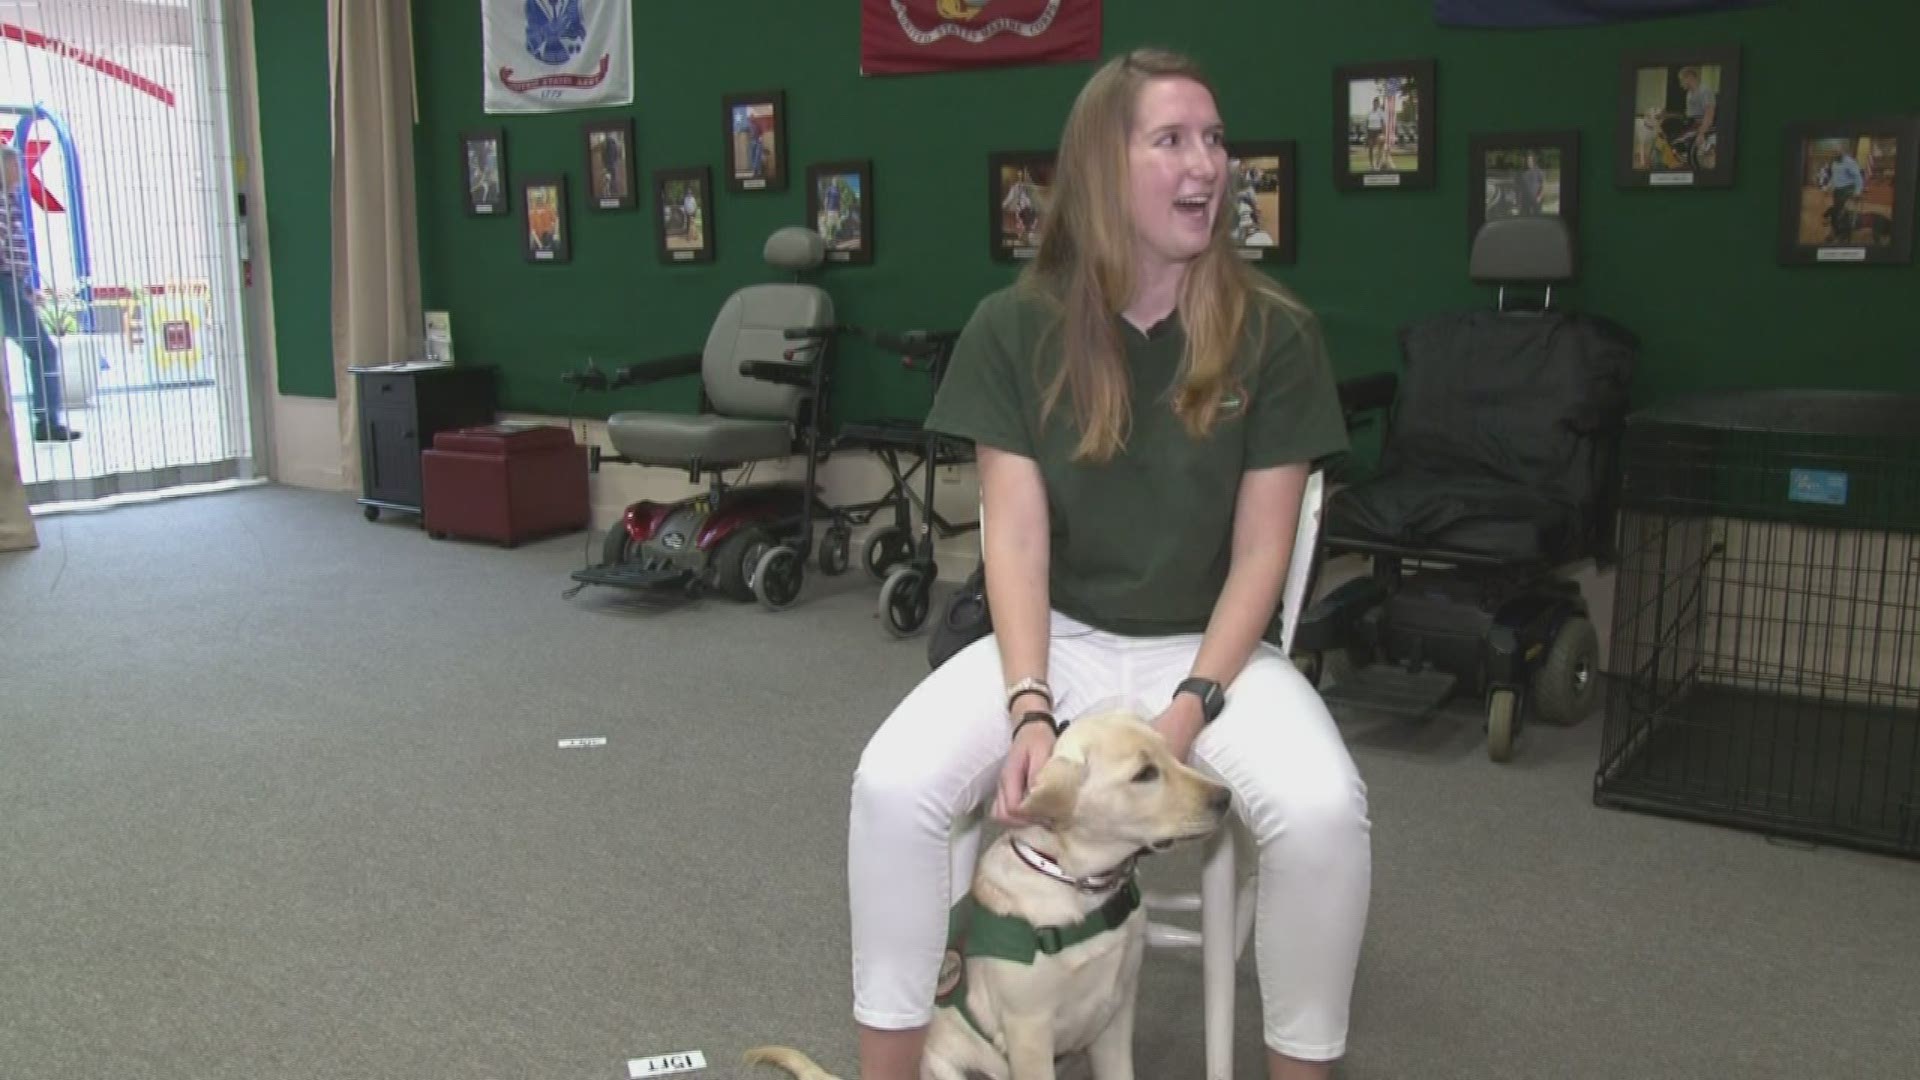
[(1471, 519), (746, 417), (1497, 449)]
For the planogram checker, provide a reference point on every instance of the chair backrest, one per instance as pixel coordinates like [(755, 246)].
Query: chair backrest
[(1300, 568), (1530, 401), (752, 325)]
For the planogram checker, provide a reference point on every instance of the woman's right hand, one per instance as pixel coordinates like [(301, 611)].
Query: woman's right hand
[(1032, 746)]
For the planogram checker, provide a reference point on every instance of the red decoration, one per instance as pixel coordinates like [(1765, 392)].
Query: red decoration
[(907, 36)]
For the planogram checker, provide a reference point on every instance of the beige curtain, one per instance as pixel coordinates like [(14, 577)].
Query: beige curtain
[(376, 242), (16, 524)]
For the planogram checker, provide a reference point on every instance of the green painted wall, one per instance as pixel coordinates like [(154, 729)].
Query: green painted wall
[(291, 42), (1693, 271)]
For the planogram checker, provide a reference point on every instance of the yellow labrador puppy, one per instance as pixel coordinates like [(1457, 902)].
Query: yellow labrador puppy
[(1044, 958)]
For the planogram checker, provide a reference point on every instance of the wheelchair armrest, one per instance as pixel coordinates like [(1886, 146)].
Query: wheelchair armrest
[(777, 371), (590, 379), (1368, 393), (652, 371), (1599, 418), (915, 344)]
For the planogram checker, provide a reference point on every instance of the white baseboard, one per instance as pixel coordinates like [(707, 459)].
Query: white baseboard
[(306, 443)]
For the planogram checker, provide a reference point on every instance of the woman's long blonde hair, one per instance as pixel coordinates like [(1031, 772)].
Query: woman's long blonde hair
[(1085, 267)]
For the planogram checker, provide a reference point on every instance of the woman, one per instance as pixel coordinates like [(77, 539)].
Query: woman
[(1145, 410)]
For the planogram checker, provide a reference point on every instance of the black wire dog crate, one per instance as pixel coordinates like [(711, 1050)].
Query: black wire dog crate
[(1764, 669)]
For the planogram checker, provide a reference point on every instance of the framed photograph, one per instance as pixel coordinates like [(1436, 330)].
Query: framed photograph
[(609, 146), (1846, 191), (545, 202), (1679, 112), (756, 140), (1260, 200), (685, 199), (483, 158), (1523, 174), (1383, 115), (840, 208), (1018, 185)]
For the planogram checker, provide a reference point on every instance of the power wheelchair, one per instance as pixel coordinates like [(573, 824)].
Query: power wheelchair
[(1498, 469), (765, 376)]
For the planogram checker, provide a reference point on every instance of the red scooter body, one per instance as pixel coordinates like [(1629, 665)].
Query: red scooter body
[(776, 505)]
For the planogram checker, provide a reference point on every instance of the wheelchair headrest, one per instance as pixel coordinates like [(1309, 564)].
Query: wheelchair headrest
[(795, 248), (1522, 250)]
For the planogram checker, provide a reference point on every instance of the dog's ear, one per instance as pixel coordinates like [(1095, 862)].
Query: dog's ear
[(1049, 802)]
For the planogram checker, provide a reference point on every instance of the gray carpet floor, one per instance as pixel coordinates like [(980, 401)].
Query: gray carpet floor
[(281, 796)]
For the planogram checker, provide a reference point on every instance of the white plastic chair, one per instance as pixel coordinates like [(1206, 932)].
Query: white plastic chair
[(1225, 900)]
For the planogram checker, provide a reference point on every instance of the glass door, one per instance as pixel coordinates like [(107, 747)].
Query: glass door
[(121, 281)]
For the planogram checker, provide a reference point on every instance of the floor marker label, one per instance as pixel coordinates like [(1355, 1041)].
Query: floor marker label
[(665, 1064)]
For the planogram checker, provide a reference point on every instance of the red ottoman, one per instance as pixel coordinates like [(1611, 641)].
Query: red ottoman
[(504, 482)]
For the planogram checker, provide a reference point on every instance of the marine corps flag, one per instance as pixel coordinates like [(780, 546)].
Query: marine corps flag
[(904, 36)]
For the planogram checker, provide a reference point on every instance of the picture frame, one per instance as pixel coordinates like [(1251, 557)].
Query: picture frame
[(1523, 174), (608, 145), (483, 172), (1262, 199), (840, 208), (544, 236), (1018, 184), (1820, 220), (684, 223), (1371, 103), (1665, 95), (755, 136)]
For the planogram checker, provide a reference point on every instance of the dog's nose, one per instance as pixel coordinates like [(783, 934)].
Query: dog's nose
[(1220, 800)]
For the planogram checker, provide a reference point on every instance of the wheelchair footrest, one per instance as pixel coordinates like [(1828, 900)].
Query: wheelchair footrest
[(1392, 690), (628, 575)]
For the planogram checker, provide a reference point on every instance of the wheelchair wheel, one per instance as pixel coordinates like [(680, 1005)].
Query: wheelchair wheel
[(905, 600), (1312, 665), (1567, 683), (614, 549), (836, 551), (777, 577), (1324, 669), (885, 549), (736, 560), (1706, 154), (1503, 715)]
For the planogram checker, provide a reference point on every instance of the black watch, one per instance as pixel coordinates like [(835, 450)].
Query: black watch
[(1212, 696)]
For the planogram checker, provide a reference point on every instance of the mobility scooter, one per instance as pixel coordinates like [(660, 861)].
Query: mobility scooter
[(765, 375)]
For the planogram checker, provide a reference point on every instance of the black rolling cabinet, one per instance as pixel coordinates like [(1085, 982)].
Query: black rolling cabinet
[(400, 411)]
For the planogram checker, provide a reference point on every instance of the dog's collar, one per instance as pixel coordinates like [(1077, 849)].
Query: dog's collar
[(1101, 882)]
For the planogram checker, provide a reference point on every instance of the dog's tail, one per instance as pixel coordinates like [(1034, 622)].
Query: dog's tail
[(795, 1062)]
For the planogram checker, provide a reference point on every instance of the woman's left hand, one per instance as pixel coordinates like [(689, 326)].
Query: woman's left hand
[(1180, 724)]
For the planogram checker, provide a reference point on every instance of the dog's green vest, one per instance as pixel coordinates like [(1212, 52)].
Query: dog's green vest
[(972, 930)]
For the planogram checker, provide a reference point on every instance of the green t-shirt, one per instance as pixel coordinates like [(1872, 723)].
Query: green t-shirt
[(1141, 543)]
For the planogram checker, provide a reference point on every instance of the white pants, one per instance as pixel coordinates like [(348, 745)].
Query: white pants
[(938, 758)]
